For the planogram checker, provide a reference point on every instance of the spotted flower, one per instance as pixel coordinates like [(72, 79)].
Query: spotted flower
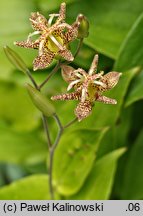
[(54, 37), (88, 87)]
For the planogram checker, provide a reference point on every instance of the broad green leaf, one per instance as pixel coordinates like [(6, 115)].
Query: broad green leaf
[(133, 180), (109, 21), (117, 135), (99, 183), (74, 158), (131, 52), (15, 25), (16, 107), (34, 187), (21, 147), (136, 90)]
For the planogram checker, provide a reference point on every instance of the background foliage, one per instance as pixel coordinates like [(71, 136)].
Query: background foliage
[(99, 158)]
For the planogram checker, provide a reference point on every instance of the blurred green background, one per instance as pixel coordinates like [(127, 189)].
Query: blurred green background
[(99, 158)]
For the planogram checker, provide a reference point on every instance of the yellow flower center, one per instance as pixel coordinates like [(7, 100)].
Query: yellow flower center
[(54, 43), (91, 92)]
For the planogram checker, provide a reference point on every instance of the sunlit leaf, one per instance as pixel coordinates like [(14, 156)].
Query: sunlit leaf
[(74, 159), (14, 16), (99, 183), (133, 179), (16, 107), (136, 90), (34, 187), (131, 52), (20, 147)]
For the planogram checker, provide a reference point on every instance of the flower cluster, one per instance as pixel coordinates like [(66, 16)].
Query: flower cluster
[(54, 37), (88, 87)]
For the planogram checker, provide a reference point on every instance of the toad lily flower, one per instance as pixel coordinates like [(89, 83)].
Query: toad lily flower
[(53, 38), (88, 87)]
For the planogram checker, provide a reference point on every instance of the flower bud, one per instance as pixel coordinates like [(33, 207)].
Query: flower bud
[(40, 101), (15, 59), (84, 26)]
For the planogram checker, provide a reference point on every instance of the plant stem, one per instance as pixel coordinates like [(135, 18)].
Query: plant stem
[(31, 78), (45, 124), (79, 47), (70, 123), (52, 151), (53, 148), (50, 75)]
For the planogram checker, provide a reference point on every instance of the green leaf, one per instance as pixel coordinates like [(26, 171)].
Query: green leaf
[(136, 90), (16, 107), (40, 101), (14, 27), (34, 187), (21, 147), (133, 179), (117, 135), (131, 52), (99, 183), (74, 158)]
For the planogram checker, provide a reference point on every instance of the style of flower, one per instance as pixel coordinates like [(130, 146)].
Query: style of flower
[(53, 38), (88, 87)]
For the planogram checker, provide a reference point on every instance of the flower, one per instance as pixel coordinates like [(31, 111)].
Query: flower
[(54, 38), (88, 87)]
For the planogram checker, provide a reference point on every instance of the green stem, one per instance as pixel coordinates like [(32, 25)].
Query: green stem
[(50, 75), (45, 124), (31, 78), (53, 148), (79, 47), (70, 123)]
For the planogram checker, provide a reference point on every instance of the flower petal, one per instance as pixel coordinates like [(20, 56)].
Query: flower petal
[(28, 44), (70, 96), (43, 60), (38, 21), (106, 100), (83, 110), (72, 33), (66, 54), (111, 79), (62, 13), (94, 65), (68, 73)]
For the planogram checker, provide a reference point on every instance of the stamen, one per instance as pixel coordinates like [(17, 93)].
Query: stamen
[(83, 95), (56, 42), (72, 84), (81, 71), (41, 47), (100, 83), (51, 18), (32, 34), (78, 75)]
